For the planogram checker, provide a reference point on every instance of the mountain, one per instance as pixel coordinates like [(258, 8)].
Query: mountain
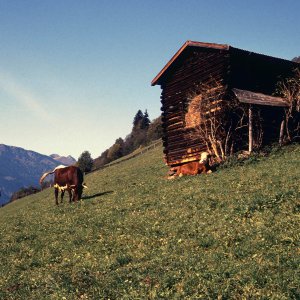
[(21, 168), (65, 160)]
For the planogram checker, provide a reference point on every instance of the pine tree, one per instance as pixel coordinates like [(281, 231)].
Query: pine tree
[(138, 118), (145, 121), (85, 161)]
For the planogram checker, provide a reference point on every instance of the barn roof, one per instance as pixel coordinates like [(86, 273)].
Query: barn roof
[(225, 47), (179, 52), (259, 98)]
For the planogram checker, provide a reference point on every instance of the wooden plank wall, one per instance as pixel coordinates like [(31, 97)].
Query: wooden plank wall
[(199, 65)]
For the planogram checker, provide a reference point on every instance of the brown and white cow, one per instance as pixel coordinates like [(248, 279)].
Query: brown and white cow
[(67, 178), (193, 167)]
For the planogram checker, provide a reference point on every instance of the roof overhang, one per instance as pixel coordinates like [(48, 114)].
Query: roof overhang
[(187, 44), (259, 98)]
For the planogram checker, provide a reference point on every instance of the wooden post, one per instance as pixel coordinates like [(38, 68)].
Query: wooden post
[(250, 129), (281, 132)]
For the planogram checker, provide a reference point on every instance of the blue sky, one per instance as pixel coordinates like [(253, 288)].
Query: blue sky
[(74, 73)]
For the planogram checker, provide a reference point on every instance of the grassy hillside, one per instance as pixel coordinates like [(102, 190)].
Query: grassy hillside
[(233, 234)]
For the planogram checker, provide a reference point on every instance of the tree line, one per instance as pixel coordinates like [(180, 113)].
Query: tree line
[(142, 134)]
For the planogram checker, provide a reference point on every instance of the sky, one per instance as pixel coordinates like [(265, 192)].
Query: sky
[(73, 73)]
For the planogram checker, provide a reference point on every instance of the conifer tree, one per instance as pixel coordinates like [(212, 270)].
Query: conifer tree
[(145, 121), (138, 118)]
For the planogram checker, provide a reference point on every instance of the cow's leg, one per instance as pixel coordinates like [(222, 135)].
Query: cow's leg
[(75, 194), (62, 196), (56, 195), (70, 195)]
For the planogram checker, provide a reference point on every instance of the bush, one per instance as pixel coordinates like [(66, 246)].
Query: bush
[(85, 162), (23, 192)]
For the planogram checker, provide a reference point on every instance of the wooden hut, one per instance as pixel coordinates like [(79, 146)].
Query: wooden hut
[(229, 90)]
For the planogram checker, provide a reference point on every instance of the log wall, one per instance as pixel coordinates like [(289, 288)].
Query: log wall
[(195, 67)]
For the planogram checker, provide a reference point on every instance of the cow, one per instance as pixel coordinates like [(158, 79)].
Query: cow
[(67, 178), (192, 168)]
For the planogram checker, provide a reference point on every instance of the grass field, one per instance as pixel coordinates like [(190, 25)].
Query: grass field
[(233, 234)]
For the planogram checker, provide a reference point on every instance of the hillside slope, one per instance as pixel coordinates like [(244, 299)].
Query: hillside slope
[(233, 234)]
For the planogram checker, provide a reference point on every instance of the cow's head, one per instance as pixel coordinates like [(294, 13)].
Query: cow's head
[(80, 190), (205, 156)]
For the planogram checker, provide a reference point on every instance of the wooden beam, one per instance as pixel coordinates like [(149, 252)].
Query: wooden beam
[(259, 98), (250, 129)]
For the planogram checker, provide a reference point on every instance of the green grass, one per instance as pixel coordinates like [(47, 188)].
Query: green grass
[(233, 234)]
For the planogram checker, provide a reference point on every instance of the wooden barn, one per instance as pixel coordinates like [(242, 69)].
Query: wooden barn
[(219, 98)]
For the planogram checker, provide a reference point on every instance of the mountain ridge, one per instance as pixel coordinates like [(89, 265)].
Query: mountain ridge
[(65, 160), (22, 168)]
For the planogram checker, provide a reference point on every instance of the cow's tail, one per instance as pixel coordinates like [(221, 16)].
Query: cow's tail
[(45, 175), (50, 172)]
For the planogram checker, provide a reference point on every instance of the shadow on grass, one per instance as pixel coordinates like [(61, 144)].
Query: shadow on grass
[(96, 195)]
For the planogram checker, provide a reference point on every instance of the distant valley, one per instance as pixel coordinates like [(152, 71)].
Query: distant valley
[(22, 168)]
